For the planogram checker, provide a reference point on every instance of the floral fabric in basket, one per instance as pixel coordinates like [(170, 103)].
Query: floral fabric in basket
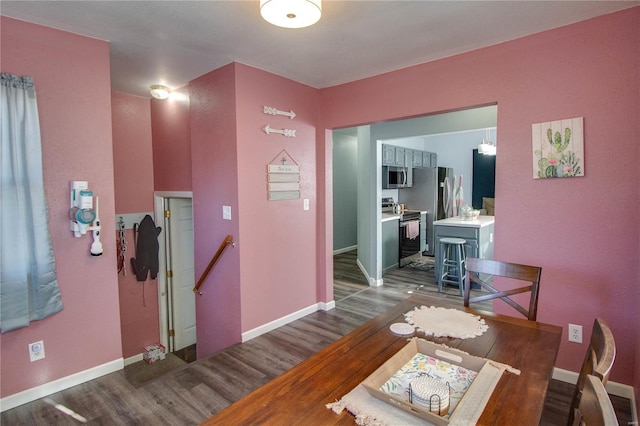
[(458, 378)]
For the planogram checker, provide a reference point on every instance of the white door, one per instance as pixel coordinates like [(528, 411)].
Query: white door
[(182, 301)]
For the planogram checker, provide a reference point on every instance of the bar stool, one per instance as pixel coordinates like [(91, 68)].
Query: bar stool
[(453, 260)]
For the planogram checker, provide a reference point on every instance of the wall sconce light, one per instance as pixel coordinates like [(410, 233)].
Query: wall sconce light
[(291, 13), (160, 92)]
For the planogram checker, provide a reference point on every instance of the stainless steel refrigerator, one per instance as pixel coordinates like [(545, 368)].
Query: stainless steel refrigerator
[(431, 193)]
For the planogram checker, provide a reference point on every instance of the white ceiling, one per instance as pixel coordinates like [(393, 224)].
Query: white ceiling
[(172, 42)]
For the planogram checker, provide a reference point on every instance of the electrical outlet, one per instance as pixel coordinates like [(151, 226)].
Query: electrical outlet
[(36, 351), (575, 333)]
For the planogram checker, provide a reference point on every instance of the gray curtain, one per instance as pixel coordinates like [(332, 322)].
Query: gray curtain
[(28, 284)]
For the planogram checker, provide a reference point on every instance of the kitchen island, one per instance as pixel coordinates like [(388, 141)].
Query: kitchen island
[(477, 232)]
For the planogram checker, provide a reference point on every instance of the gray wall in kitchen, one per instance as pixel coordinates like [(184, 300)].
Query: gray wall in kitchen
[(345, 191)]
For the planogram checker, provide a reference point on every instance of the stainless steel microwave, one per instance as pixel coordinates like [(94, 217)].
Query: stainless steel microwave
[(395, 177)]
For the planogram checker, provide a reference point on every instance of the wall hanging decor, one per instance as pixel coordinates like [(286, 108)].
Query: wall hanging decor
[(290, 133), (274, 111), (558, 148), (283, 178)]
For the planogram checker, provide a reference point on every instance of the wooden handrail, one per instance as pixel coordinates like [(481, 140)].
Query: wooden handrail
[(227, 241)]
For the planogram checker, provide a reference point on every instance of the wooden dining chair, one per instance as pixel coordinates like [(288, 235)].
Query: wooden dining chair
[(595, 407), (598, 361), (531, 274)]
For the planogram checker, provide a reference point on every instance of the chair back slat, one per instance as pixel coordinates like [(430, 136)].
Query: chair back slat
[(595, 406), (530, 274), (598, 362)]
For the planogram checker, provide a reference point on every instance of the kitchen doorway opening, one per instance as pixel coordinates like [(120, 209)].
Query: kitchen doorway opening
[(176, 299), (451, 135)]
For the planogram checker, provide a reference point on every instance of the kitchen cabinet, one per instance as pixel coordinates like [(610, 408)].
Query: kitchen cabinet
[(417, 158), (406, 157), (478, 233), (408, 160), (390, 245), (426, 159), (400, 156), (393, 156), (388, 155)]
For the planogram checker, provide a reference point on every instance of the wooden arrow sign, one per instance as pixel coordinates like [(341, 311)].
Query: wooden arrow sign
[(290, 133), (274, 111)]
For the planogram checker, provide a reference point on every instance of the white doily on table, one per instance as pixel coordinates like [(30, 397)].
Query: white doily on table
[(443, 322)]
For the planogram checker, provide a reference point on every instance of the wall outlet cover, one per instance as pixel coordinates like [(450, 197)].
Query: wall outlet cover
[(575, 333), (36, 351)]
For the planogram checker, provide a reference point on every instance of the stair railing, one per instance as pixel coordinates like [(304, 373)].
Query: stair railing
[(228, 241)]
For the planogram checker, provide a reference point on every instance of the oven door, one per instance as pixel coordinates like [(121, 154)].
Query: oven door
[(408, 246)]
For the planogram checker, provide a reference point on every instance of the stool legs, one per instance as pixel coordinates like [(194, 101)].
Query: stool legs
[(453, 264)]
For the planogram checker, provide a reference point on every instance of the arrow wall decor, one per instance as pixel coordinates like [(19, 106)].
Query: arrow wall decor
[(274, 111), (290, 133)]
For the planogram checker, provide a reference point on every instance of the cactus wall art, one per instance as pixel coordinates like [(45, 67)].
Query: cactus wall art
[(558, 148)]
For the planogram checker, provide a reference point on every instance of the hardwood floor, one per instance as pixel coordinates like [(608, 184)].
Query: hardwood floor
[(194, 391)]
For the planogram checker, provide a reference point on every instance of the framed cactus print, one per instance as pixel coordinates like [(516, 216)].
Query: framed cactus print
[(558, 148)]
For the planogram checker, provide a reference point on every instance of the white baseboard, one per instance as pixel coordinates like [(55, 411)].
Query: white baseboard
[(613, 388), (248, 335), (133, 359), (41, 391), (326, 306), (345, 249), (372, 281)]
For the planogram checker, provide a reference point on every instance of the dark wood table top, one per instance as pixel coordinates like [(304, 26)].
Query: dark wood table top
[(299, 395)]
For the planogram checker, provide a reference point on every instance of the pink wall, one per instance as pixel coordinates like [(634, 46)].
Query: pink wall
[(214, 162), (171, 142), (71, 75), (277, 238), (583, 231), (133, 170), (132, 153), (230, 155)]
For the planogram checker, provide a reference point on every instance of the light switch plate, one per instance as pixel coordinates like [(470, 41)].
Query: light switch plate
[(226, 212), (305, 204)]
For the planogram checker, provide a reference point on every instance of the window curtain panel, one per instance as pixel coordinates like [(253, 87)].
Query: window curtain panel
[(28, 285)]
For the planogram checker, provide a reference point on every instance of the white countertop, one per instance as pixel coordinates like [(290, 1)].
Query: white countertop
[(480, 222), (393, 216)]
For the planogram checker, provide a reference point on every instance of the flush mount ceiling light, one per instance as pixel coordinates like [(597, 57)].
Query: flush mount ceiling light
[(291, 13), (160, 92)]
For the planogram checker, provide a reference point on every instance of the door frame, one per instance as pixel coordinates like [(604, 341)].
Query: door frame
[(159, 198)]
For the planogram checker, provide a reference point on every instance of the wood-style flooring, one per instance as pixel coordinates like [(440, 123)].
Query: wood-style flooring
[(194, 391)]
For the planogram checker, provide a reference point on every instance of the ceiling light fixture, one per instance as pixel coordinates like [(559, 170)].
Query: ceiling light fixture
[(486, 147), (160, 92), (291, 13)]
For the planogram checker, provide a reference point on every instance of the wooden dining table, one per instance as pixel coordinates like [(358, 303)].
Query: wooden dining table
[(299, 396)]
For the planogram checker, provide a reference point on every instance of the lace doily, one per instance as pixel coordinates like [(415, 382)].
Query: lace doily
[(444, 322)]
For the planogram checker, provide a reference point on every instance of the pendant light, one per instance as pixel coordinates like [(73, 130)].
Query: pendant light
[(486, 147), (291, 13)]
